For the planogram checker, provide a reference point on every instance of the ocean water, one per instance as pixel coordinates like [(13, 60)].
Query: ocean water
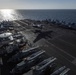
[(61, 15)]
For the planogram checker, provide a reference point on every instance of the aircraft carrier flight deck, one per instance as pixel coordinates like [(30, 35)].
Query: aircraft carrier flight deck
[(31, 47)]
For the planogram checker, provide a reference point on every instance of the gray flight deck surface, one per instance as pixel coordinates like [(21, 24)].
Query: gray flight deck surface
[(61, 45)]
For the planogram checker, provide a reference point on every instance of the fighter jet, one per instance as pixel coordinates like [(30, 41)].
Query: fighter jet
[(11, 43), (27, 63), (65, 71), (7, 47), (20, 40), (5, 38), (8, 25), (42, 34), (58, 71), (24, 53), (45, 67), (39, 26)]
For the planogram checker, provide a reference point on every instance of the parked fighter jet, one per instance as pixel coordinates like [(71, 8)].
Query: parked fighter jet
[(24, 53), (6, 36), (20, 39), (65, 72), (58, 71), (45, 67), (27, 63), (8, 25), (39, 26), (9, 42), (42, 34)]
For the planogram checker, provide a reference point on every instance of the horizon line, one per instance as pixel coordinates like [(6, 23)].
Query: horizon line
[(35, 9)]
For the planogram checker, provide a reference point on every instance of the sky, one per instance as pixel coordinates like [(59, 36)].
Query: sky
[(37, 4)]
